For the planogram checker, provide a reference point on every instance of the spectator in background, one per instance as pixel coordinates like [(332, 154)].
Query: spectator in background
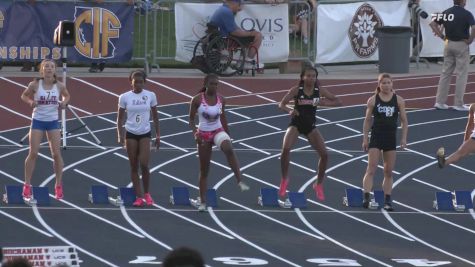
[(457, 37), (183, 256), (302, 19), (223, 19)]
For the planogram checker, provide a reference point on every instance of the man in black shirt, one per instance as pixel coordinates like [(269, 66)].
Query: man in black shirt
[(459, 33)]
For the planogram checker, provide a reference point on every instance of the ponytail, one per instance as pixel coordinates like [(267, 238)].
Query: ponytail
[(206, 80)]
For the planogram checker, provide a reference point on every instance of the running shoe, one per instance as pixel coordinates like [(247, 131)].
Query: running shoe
[(139, 202), (318, 187), (202, 207), (365, 204), (58, 192), (283, 186), (148, 199), (243, 186), (27, 191), (441, 157), (388, 206)]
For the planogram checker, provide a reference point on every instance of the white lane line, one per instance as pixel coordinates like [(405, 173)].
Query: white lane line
[(16, 113), (238, 114), (309, 225), (381, 167), (216, 219), (169, 88), (268, 125), (11, 142), (121, 156), (95, 86), (246, 91), (96, 179), (172, 145), (26, 224), (91, 143), (335, 210), (140, 230), (51, 230), (430, 185), (272, 219), (385, 213), (348, 128), (178, 180), (254, 148), (164, 113)]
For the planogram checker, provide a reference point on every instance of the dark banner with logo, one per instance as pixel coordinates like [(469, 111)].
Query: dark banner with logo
[(103, 31)]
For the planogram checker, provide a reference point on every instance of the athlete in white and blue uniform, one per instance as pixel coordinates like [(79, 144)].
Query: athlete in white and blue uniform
[(135, 107), (44, 95)]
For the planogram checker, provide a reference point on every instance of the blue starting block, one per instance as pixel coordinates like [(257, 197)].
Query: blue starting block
[(211, 198), (443, 201), (13, 194), (463, 200), (180, 196), (99, 195), (298, 200), (268, 197), (127, 195), (379, 198), (41, 195), (353, 198)]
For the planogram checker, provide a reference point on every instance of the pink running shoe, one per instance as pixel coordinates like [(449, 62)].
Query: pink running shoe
[(139, 202), (148, 199), (283, 186), (27, 191), (319, 191), (58, 192)]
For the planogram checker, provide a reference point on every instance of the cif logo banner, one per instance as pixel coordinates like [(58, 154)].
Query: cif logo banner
[(97, 31)]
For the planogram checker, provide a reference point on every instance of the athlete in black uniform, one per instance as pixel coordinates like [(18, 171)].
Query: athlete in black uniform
[(306, 95), (383, 108)]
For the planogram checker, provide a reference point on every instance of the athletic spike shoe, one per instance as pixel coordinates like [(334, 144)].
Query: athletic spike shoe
[(388, 206), (318, 187), (283, 186), (441, 157), (58, 192), (202, 207), (148, 199), (27, 191), (139, 202), (243, 186)]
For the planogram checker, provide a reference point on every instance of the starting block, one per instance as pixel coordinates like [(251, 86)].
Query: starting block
[(180, 196), (378, 198), (13, 194), (41, 196), (99, 195), (463, 200), (211, 198), (127, 195), (443, 201), (298, 200), (268, 197), (353, 198)]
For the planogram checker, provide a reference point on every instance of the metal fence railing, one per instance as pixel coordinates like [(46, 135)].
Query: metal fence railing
[(155, 41)]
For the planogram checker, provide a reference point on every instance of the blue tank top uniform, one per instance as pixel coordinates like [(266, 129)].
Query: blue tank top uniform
[(385, 117), (306, 105)]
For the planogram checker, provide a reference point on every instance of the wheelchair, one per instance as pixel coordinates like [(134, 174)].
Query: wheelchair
[(225, 56)]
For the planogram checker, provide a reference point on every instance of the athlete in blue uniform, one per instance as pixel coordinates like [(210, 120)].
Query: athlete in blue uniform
[(307, 95)]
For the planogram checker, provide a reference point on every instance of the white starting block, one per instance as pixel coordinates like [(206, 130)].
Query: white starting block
[(458, 200), (117, 201)]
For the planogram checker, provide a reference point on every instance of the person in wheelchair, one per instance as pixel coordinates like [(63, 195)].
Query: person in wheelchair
[(223, 20)]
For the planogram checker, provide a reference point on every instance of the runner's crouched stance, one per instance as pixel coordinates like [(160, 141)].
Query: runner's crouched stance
[(212, 129), (307, 95), (383, 109)]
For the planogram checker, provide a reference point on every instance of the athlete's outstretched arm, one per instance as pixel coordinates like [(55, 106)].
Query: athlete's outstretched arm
[(368, 120), (469, 127), (224, 120)]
